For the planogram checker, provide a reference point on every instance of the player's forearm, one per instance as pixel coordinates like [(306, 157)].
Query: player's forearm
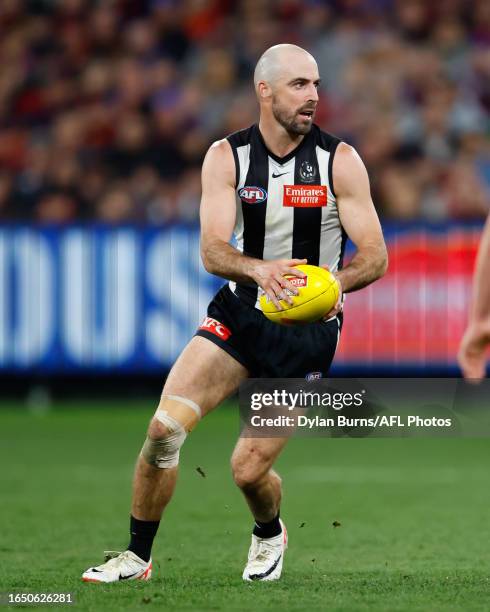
[(480, 310), (222, 259), (366, 266)]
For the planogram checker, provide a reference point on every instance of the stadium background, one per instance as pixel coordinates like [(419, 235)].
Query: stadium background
[(106, 110)]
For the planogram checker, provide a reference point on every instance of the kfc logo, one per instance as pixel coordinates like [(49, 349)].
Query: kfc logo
[(215, 327)]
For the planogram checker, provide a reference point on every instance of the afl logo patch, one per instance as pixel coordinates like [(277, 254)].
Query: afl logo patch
[(307, 171), (252, 195), (313, 376)]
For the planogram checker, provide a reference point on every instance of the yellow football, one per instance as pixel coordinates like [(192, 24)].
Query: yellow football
[(318, 293)]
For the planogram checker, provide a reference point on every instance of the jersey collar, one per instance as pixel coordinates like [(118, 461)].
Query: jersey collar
[(291, 154)]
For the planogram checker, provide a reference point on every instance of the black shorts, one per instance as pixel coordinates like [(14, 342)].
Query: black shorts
[(266, 349)]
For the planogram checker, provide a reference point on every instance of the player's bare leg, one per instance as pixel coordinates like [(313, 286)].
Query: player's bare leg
[(251, 464), (204, 374), (202, 377)]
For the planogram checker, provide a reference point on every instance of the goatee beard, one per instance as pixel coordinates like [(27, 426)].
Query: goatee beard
[(291, 126)]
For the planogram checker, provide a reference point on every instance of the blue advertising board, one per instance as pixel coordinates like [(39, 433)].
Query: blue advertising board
[(127, 300), (99, 298)]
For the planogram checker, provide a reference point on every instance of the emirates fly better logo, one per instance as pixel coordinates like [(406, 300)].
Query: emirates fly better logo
[(305, 196)]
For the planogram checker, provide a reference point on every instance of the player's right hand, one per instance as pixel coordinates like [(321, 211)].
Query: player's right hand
[(270, 276)]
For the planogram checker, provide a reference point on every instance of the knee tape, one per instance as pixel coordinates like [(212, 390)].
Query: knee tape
[(178, 415)]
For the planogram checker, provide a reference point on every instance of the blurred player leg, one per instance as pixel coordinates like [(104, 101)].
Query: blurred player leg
[(472, 355)]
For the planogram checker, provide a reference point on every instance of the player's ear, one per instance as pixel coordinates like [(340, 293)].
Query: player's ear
[(263, 90)]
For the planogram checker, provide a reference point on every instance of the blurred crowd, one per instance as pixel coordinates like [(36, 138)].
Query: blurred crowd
[(107, 107)]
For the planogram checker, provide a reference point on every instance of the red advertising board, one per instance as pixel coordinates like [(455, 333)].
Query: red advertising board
[(416, 314)]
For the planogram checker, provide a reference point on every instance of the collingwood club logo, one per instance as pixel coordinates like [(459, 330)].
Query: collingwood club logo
[(307, 172)]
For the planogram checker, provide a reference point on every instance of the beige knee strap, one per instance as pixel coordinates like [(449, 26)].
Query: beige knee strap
[(182, 409), (179, 415)]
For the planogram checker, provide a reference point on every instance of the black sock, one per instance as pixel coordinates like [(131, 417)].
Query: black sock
[(268, 530), (142, 535)]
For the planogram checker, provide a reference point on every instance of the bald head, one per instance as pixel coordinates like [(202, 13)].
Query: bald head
[(281, 61), (286, 82)]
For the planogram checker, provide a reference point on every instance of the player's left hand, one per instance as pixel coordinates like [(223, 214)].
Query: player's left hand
[(339, 305), (472, 351)]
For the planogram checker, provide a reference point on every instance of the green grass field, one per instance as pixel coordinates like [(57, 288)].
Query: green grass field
[(414, 515)]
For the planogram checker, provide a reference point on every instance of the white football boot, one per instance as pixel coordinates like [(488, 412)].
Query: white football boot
[(265, 556), (119, 566)]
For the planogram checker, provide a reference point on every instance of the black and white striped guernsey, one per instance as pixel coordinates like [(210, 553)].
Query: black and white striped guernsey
[(286, 207)]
